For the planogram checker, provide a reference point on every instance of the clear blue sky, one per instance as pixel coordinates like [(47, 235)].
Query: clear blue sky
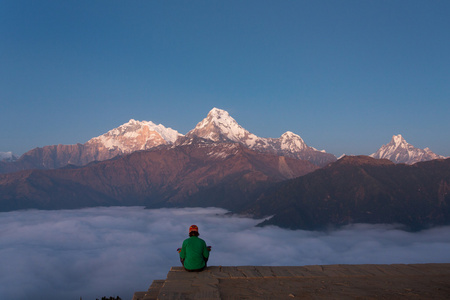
[(344, 75)]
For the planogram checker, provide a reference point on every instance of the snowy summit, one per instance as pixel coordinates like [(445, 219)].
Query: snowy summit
[(400, 151), (136, 135), (219, 126), (7, 156)]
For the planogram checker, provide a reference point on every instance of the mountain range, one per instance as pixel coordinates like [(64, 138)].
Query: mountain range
[(219, 163), (127, 138), (133, 136), (166, 176), (218, 126)]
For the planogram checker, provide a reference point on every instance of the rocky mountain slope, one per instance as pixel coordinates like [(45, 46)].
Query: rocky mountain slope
[(399, 151), (361, 189), (199, 173)]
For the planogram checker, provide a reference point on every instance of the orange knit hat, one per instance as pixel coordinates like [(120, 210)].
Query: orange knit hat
[(193, 228)]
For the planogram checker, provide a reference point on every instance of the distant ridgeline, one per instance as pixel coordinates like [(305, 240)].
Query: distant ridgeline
[(351, 190), (361, 190)]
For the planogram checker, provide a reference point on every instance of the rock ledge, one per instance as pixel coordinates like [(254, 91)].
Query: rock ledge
[(399, 281)]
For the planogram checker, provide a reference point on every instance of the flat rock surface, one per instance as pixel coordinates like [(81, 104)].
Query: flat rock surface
[(414, 281)]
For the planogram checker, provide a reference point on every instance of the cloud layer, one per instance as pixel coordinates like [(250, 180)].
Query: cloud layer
[(96, 252)]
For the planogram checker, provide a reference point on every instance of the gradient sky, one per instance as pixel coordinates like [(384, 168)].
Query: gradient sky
[(344, 75)]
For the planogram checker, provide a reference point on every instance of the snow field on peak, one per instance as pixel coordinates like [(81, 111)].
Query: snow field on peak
[(398, 139), (6, 155), (228, 127), (222, 124), (133, 130), (399, 150), (291, 141), (168, 134)]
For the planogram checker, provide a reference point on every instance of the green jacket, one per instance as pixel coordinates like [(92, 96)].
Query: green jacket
[(194, 253)]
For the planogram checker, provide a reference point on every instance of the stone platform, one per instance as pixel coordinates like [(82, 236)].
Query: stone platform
[(414, 281)]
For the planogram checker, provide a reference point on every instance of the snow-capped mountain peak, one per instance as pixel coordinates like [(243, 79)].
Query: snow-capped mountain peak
[(7, 156), (398, 140), (291, 141), (219, 126), (219, 115), (129, 129), (136, 135), (399, 150), (290, 134)]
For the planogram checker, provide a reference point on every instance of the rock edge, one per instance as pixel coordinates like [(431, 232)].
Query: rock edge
[(370, 281)]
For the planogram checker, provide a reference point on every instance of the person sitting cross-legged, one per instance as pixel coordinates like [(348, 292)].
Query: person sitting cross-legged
[(194, 253)]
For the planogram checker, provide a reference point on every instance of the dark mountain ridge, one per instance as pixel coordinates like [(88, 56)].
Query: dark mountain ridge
[(299, 195), (361, 189), (163, 176)]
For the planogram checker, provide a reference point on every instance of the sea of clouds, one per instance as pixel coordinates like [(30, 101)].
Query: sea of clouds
[(115, 251)]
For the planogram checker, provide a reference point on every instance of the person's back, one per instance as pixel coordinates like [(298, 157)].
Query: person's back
[(194, 253)]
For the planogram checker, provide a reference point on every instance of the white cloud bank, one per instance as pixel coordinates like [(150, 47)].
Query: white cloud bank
[(96, 252)]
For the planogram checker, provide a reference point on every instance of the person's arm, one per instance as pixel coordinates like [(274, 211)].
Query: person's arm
[(205, 252), (183, 252)]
